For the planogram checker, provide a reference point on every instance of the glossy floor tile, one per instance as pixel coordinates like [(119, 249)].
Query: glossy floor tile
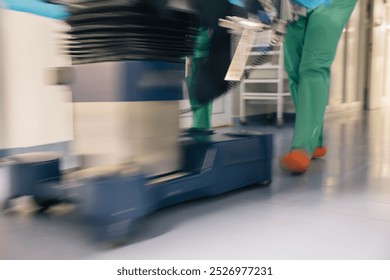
[(339, 209)]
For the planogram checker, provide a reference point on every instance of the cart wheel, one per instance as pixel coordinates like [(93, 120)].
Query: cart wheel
[(117, 243), (45, 204), (265, 183), (5, 205), (279, 123), (243, 122)]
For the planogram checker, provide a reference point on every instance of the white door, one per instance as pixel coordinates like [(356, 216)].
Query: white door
[(379, 85), (386, 91)]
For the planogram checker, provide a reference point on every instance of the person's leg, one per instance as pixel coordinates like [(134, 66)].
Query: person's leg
[(324, 29), (201, 116), (293, 45), (323, 32)]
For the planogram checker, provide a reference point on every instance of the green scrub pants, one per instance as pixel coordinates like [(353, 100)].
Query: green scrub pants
[(309, 49), (201, 116)]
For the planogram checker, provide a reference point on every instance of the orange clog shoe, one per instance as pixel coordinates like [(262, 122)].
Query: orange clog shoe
[(319, 152), (296, 161)]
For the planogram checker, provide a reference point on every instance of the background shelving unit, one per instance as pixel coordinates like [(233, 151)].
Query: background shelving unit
[(266, 83)]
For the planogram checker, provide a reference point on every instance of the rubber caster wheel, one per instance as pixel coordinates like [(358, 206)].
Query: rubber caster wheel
[(279, 124), (45, 204), (117, 243), (265, 183), (243, 122), (5, 205)]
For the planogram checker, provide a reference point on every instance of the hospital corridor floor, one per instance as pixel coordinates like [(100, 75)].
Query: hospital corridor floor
[(338, 209)]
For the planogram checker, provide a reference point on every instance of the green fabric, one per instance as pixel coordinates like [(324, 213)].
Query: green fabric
[(201, 117), (309, 49), (202, 43)]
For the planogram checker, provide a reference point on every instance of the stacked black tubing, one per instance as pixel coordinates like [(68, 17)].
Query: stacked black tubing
[(102, 31)]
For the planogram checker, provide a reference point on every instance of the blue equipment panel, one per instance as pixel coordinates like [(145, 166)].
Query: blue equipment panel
[(113, 201)]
